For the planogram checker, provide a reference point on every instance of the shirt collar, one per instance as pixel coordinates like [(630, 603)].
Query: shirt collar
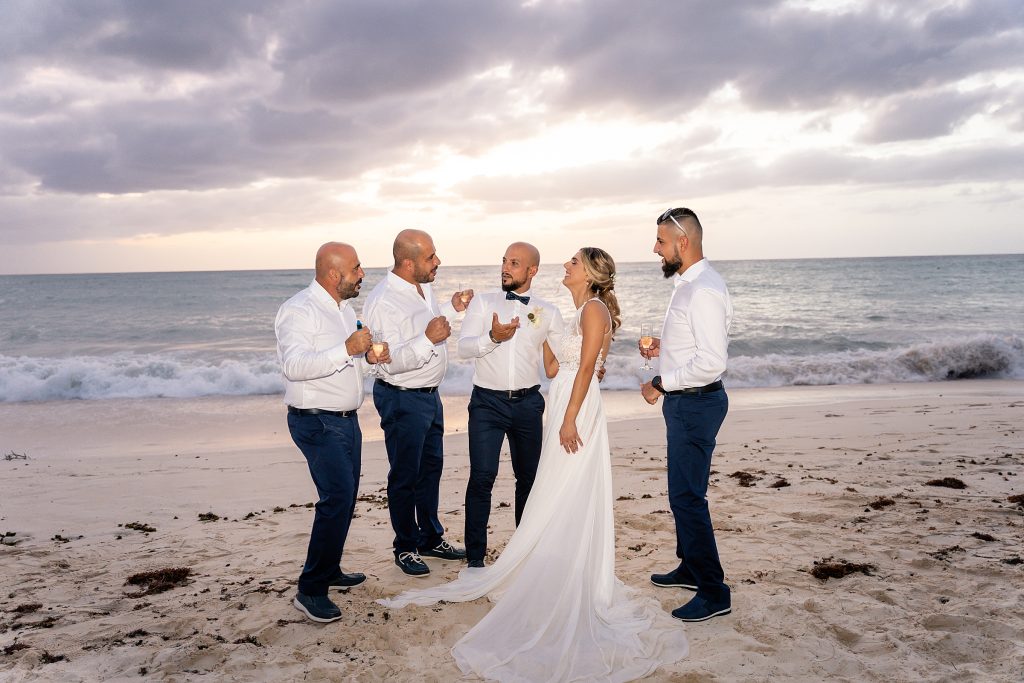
[(526, 293), (691, 273), (321, 295), (399, 283)]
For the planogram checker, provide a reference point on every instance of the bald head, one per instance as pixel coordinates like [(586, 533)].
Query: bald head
[(525, 251), (415, 257), (518, 267), (338, 270)]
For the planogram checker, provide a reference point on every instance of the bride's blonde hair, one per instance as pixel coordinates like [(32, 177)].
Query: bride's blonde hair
[(600, 269)]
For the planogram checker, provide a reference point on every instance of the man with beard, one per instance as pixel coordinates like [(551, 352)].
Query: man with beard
[(693, 348), (324, 356), (506, 400), (403, 309)]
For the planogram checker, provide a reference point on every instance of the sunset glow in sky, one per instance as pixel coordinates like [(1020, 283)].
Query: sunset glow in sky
[(240, 135)]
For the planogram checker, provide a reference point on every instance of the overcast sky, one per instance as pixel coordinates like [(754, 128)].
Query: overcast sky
[(234, 135)]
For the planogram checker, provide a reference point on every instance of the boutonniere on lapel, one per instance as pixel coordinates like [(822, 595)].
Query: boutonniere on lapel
[(534, 317)]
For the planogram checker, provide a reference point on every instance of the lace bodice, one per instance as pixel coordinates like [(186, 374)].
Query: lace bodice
[(572, 346)]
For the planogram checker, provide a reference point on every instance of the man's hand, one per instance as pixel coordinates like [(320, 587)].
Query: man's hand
[(649, 393), (600, 373), (461, 303), (358, 342), (383, 357), (438, 330), (653, 352), (503, 331)]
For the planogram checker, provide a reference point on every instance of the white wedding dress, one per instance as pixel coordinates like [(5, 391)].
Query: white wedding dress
[(560, 613)]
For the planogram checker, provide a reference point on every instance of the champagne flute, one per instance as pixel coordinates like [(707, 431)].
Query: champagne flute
[(646, 342), (464, 293), (377, 343)]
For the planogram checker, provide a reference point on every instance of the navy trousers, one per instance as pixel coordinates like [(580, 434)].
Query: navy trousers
[(333, 450), (693, 421), (413, 424), (492, 417)]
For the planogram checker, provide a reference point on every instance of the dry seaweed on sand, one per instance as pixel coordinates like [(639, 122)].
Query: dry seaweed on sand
[(745, 479), (140, 526), (879, 503), (983, 537), (159, 580), (27, 608), (779, 483), (944, 553), (830, 568), (947, 482), (208, 517), (15, 456), (1018, 499), (14, 647)]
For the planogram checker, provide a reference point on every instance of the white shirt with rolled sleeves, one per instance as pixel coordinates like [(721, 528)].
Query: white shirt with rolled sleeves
[(311, 329), (396, 309), (515, 363), (695, 336)]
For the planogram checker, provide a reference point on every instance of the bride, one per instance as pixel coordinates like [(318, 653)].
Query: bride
[(560, 613)]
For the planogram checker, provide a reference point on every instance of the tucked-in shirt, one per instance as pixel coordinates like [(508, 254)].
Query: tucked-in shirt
[(311, 330), (695, 337), (516, 362), (396, 309)]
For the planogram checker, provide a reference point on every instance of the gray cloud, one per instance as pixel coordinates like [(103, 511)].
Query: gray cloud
[(192, 96)]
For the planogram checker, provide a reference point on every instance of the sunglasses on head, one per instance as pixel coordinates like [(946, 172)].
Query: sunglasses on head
[(672, 214)]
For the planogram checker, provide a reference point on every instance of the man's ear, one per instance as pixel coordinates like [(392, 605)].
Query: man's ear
[(532, 271)]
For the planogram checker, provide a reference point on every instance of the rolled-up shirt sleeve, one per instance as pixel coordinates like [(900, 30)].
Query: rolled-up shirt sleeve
[(300, 360), (707, 319)]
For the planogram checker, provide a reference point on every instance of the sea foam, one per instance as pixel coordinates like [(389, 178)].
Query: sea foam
[(165, 375)]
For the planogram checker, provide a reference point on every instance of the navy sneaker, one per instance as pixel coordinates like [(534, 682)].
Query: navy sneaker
[(699, 609), (412, 564), (680, 577), (345, 581), (476, 564), (445, 551), (319, 608)]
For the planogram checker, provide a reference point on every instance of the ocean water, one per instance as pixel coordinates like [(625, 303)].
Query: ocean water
[(828, 321)]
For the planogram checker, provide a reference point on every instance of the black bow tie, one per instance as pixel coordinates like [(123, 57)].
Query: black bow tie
[(525, 300)]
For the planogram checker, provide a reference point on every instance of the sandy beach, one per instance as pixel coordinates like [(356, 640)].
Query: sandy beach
[(109, 489)]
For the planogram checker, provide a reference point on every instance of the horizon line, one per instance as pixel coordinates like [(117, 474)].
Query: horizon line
[(478, 265)]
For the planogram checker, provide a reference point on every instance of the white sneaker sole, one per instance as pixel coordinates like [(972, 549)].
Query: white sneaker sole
[(675, 585), (719, 613), (320, 620)]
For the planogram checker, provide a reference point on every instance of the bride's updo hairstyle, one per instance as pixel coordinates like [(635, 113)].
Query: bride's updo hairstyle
[(600, 269)]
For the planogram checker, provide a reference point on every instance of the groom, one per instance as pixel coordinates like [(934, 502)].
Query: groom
[(693, 348), (506, 399)]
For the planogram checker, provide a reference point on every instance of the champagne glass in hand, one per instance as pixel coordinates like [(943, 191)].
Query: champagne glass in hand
[(646, 342), (377, 344), (464, 293)]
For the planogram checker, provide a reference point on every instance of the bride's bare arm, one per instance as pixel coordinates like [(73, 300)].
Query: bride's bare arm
[(550, 362), (594, 324)]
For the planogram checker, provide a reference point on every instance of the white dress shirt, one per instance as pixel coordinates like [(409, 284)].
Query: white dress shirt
[(311, 329), (516, 362), (395, 308), (695, 337)]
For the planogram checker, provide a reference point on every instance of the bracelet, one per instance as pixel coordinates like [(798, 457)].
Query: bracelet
[(490, 333)]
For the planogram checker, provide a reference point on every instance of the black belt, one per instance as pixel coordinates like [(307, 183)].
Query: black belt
[(316, 411), (422, 390), (706, 389), (510, 393)]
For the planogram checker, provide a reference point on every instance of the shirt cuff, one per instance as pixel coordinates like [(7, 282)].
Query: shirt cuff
[(339, 357)]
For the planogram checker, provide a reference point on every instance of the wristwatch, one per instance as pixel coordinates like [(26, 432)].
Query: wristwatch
[(656, 383), (490, 333)]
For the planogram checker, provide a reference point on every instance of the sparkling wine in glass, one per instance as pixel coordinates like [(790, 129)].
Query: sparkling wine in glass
[(646, 342), (377, 343), (464, 293)]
